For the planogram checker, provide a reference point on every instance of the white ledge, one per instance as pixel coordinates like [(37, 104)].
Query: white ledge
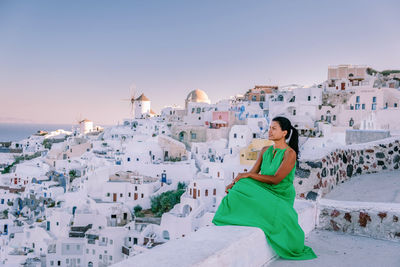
[(220, 245), (209, 246)]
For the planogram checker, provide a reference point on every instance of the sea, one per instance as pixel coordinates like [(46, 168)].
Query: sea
[(19, 131)]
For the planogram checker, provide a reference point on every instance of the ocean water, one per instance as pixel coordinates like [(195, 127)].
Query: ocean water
[(17, 131)]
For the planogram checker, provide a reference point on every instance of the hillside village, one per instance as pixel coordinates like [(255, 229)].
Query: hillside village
[(87, 196)]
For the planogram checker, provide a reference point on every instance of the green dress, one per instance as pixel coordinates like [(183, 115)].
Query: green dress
[(269, 207)]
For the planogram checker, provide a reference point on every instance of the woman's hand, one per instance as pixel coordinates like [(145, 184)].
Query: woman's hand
[(229, 186), (240, 176)]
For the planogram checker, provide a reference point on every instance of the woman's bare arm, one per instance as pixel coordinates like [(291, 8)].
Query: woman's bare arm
[(284, 169)]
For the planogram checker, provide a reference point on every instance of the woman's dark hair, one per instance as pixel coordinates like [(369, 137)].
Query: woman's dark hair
[(291, 132)]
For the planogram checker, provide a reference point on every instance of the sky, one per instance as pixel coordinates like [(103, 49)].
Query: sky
[(61, 61)]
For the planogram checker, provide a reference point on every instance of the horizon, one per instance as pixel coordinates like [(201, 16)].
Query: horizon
[(63, 61)]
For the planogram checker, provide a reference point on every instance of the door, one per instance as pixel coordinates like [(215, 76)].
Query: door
[(114, 197), (343, 86), (194, 193)]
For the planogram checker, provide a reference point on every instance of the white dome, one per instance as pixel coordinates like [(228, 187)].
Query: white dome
[(197, 96)]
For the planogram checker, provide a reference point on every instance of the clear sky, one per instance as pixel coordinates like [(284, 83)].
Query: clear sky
[(64, 60)]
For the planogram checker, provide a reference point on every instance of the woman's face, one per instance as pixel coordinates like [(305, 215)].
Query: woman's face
[(275, 132)]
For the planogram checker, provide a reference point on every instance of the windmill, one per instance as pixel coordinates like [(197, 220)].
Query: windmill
[(132, 100)]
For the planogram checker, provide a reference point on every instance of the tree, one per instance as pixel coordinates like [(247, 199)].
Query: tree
[(138, 211), (181, 186), (72, 175), (166, 201)]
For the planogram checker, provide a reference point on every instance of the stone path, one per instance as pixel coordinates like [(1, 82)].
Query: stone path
[(375, 187), (335, 249)]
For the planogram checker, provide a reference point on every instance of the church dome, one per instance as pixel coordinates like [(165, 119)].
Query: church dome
[(197, 96)]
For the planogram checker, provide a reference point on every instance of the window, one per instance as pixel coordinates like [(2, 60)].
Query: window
[(374, 99), (78, 247), (51, 263), (294, 112), (309, 98), (395, 105), (67, 247), (78, 260), (129, 194), (100, 256), (121, 195), (110, 258), (363, 106), (198, 110), (193, 135), (87, 251), (142, 195), (358, 99), (58, 263), (112, 241), (334, 117), (108, 194), (254, 135), (93, 251), (357, 106), (67, 261), (234, 135)]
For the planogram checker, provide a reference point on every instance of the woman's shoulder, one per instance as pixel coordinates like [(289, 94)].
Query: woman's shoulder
[(289, 152)]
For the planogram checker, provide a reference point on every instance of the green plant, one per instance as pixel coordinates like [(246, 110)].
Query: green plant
[(138, 211), (5, 214), (165, 201), (72, 175), (181, 186), (137, 208)]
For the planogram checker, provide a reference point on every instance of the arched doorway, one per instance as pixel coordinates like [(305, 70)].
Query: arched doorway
[(182, 136), (186, 210), (165, 234)]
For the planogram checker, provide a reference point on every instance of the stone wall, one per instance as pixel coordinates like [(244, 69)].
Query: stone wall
[(317, 177), (376, 220)]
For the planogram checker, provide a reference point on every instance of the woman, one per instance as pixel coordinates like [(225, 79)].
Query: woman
[(266, 200)]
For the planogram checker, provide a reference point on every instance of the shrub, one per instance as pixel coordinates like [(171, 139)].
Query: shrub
[(166, 201)]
